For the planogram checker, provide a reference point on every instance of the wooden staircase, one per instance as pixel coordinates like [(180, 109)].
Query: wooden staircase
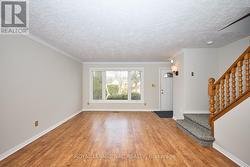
[(230, 89)]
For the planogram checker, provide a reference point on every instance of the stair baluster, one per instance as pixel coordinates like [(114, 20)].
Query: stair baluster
[(217, 97), (240, 81), (227, 89), (222, 94), (246, 59), (233, 71)]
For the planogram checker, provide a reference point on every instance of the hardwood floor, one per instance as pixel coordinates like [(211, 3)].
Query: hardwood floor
[(116, 139)]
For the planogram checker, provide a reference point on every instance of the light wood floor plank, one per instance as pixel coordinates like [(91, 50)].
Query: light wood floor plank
[(124, 139)]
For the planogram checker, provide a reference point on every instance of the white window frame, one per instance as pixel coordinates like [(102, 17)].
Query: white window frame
[(91, 70)]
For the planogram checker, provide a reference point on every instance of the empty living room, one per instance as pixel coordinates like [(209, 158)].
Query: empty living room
[(124, 83)]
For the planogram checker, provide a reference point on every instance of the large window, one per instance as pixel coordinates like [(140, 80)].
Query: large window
[(116, 85)]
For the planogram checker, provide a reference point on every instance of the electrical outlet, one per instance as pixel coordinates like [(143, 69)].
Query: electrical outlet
[(36, 123)]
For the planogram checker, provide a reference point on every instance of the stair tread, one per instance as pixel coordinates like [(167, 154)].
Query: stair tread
[(201, 119), (196, 130)]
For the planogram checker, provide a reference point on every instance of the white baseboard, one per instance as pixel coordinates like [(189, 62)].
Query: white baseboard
[(196, 112), (132, 110), (230, 155), (19, 146)]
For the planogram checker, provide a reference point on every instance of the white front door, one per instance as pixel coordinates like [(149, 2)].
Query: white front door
[(166, 90)]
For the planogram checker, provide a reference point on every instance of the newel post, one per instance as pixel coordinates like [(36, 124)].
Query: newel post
[(211, 93)]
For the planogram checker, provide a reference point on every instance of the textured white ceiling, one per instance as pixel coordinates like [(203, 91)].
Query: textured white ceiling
[(133, 30)]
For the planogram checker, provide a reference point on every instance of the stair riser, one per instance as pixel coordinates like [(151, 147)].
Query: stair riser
[(198, 132), (201, 142), (196, 124), (193, 122)]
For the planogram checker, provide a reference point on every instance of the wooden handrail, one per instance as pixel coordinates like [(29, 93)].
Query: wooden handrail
[(233, 104), (234, 64), (230, 89)]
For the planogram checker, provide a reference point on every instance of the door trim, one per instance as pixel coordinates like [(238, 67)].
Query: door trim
[(159, 85)]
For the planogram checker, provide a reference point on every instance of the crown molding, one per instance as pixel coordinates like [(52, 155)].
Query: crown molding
[(118, 110), (135, 62), (42, 42)]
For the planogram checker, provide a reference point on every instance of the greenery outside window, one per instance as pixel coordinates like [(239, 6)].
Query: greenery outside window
[(116, 85)]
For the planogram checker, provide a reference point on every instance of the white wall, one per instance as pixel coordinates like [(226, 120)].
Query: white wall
[(36, 83), (190, 92), (232, 132), (229, 53), (151, 94), (204, 65), (178, 86)]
